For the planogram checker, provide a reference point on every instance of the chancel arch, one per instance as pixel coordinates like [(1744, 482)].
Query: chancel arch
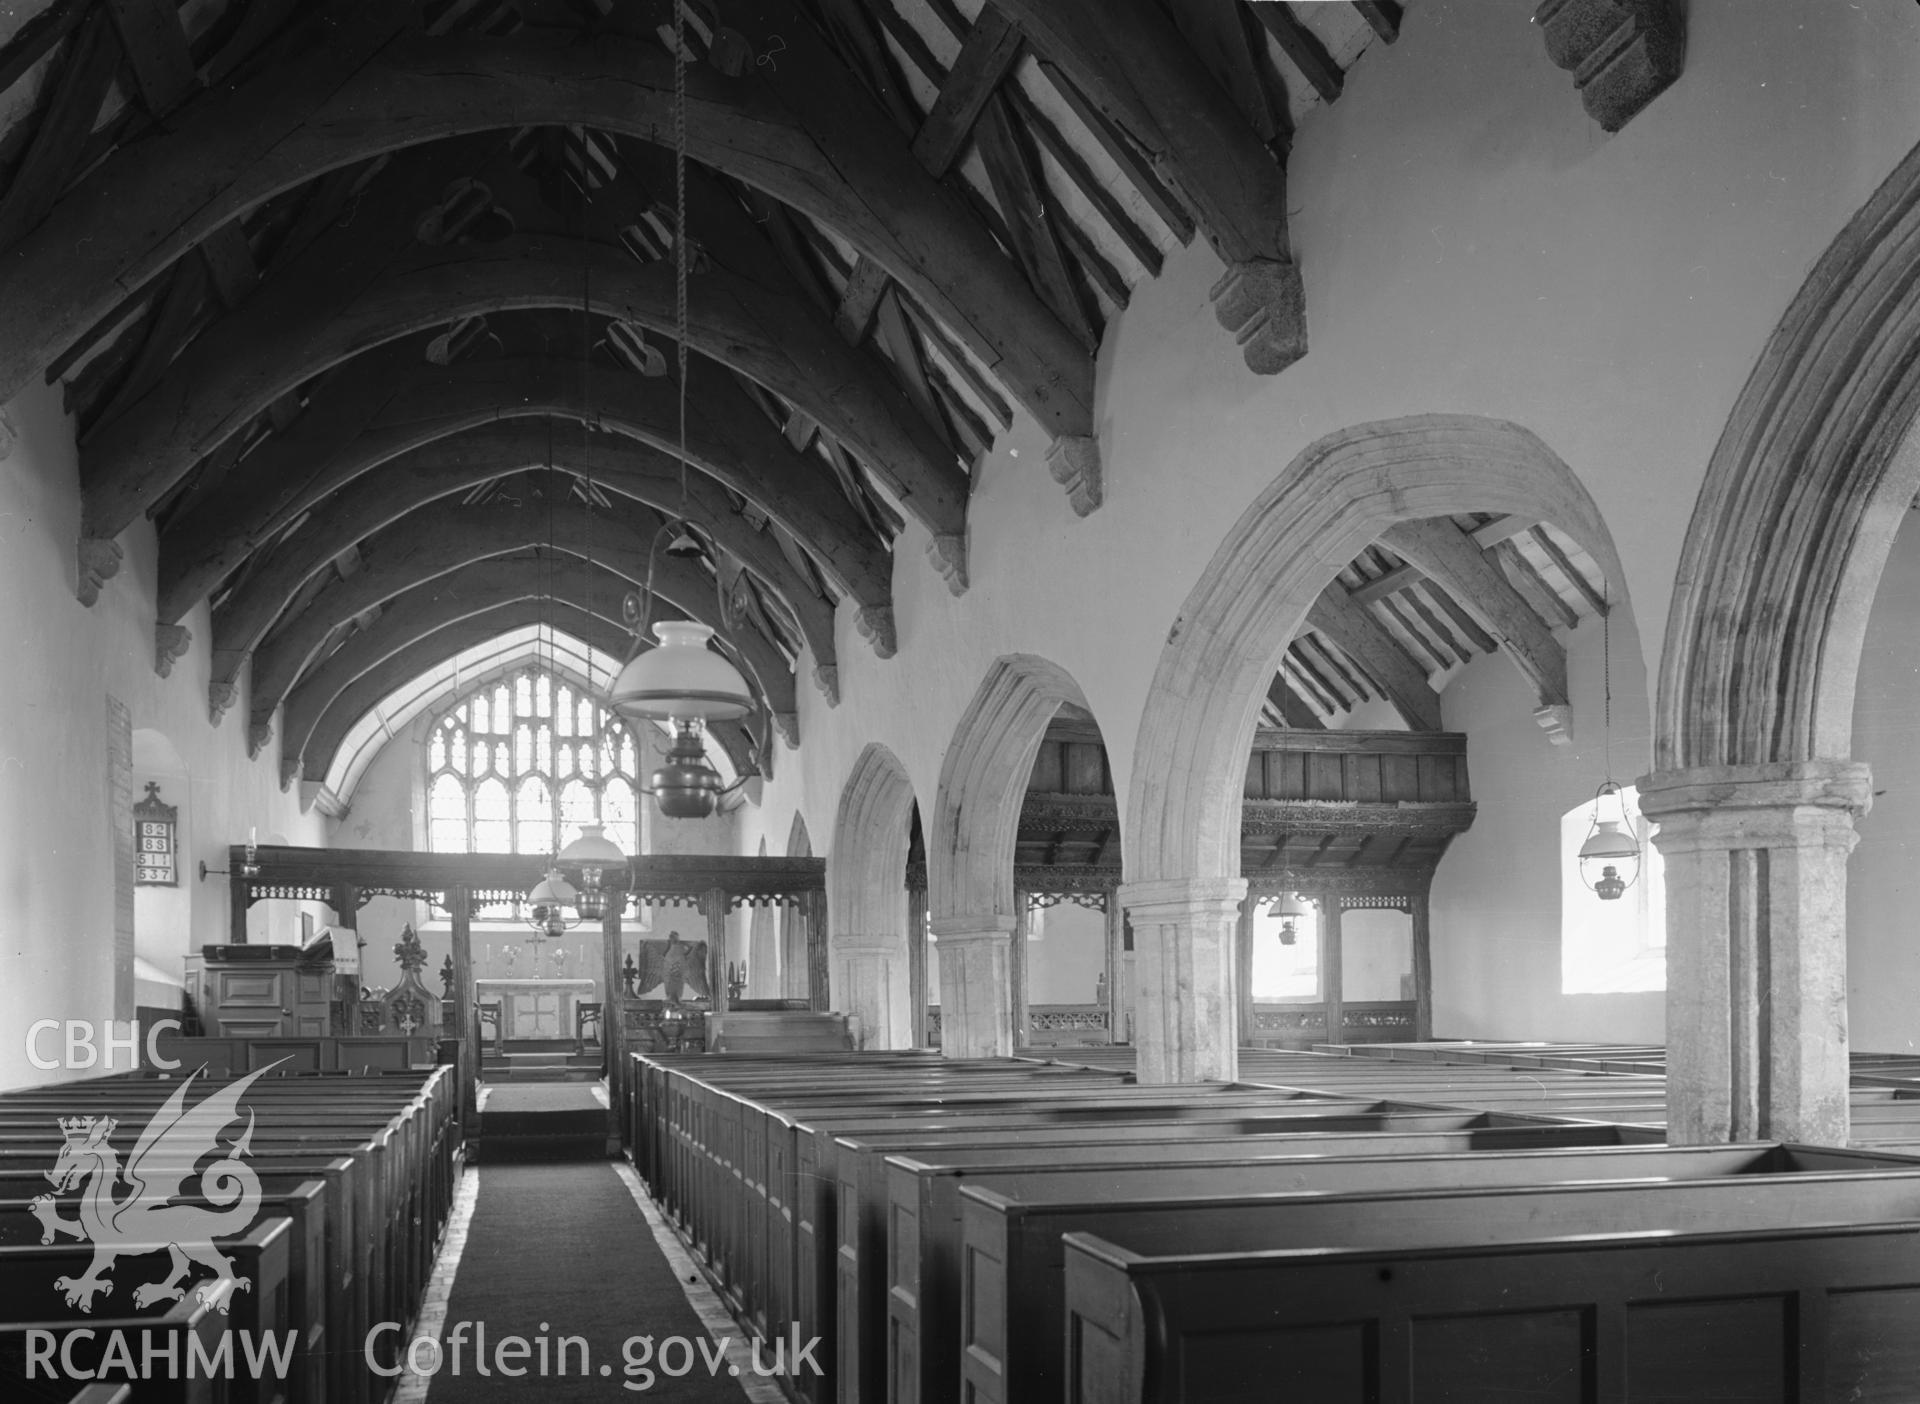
[(1184, 884), (970, 849), (1756, 789), (867, 899)]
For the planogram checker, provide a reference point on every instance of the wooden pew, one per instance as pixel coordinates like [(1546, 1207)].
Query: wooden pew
[(1766, 1314), (924, 1249), (184, 1325), (304, 1205), (258, 1313), (386, 1148), (1013, 1313)]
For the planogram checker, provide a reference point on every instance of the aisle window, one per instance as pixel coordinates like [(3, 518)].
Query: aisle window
[(1611, 947)]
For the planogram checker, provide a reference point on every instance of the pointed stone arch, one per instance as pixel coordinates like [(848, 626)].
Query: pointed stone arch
[(1808, 484), (976, 820), (867, 899), (1755, 791), (1182, 836)]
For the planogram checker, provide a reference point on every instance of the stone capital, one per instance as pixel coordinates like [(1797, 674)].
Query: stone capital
[(959, 930), (1793, 804), (1183, 899)]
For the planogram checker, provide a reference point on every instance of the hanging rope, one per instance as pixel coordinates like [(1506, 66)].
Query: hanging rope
[(639, 616), (680, 227), (586, 386), (1606, 680)]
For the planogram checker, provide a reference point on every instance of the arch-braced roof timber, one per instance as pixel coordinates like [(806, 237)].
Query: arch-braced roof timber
[(484, 600), (407, 489), (401, 558), (492, 410)]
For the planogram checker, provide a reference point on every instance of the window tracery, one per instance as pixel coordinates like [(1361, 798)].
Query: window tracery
[(523, 762)]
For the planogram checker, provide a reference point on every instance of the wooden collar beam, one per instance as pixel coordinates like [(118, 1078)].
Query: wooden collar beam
[(804, 132), (389, 402), (310, 752), (288, 333), (410, 485), (400, 559)]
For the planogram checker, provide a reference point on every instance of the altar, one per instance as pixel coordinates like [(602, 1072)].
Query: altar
[(534, 1008)]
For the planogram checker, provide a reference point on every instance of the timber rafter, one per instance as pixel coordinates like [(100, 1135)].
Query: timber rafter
[(408, 488), (359, 92), (430, 624), (275, 343), (401, 558), (497, 409)]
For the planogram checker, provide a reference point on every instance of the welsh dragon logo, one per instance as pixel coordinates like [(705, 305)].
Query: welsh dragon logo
[(146, 1220)]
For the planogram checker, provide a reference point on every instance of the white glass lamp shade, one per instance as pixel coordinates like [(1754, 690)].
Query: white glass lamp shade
[(1290, 908), (1607, 844), (681, 679), (548, 902), (1607, 851), (592, 853)]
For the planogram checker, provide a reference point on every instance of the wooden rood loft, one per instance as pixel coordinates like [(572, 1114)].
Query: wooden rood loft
[(458, 883)]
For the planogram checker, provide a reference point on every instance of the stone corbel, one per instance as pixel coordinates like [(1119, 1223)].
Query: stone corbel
[(1556, 719), (788, 725), (220, 698), (875, 623), (1263, 304), (169, 644), (826, 677), (289, 771), (1622, 53), (1074, 461), (949, 556), (258, 735), (99, 561)]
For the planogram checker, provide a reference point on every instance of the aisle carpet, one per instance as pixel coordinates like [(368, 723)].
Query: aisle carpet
[(564, 1250), (541, 1096), (540, 1122)]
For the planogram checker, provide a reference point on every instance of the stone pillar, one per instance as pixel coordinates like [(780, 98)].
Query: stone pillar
[(870, 984), (1186, 1008), (917, 964), (1332, 968), (1756, 877), (1019, 951), (976, 985)]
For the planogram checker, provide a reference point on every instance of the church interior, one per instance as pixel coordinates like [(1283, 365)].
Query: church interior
[(1008, 699)]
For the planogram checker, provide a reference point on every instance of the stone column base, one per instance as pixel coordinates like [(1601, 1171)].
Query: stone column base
[(976, 985), (869, 977), (1186, 1008), (1756, 875)]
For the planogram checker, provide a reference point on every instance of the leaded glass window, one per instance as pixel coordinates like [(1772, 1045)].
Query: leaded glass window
[(522, 763)]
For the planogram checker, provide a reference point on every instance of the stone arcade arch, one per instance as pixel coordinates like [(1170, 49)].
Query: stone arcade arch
[(976, 821), (1182, 833), (1755, 792), (867, 899)]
